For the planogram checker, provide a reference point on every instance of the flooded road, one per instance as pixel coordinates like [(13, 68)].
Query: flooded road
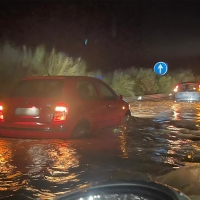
[(163, 136)]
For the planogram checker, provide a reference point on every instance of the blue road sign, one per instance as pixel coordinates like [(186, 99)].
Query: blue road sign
[(160, 68)]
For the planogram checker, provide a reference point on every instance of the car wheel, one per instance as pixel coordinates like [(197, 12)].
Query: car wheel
[(126, 121), (127, 118), (81, 130)]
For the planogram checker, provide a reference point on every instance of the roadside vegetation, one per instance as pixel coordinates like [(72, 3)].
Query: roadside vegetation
[(19, 62)]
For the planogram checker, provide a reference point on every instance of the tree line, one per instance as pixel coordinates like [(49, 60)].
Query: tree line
[(19, 62)]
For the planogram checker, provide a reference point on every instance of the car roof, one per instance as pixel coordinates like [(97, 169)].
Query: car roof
[(59, 78), (188, 82)]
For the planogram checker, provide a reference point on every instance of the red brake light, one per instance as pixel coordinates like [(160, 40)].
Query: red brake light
[(176, 88), (61, 112), (1, 111)]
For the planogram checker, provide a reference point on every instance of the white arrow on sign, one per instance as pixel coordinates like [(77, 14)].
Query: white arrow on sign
[(160, 67)]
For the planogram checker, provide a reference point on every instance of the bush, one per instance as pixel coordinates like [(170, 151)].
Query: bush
[(165, 84), (34, 62), (145, 81), (122, 83), (197, 78), (10, 58), (17, 63), (183, 76), (55, 63)]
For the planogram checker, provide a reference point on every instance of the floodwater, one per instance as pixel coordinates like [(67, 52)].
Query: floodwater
[(163, 136)]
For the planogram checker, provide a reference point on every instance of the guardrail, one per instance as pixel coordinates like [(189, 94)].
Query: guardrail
[(148, 97)]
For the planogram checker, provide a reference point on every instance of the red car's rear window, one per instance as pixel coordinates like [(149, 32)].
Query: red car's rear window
[(37, 88)]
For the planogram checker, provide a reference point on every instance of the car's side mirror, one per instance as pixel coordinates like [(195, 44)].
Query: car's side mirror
[(120, 97)]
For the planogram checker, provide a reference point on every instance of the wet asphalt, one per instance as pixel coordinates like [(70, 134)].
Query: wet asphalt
[(163, 136)]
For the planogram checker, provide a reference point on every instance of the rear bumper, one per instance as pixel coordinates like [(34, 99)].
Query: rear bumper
[(187, 99), (183, 100), (42, 131), (187, 96)]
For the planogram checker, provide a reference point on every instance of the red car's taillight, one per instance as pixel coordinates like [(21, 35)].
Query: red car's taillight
[(176, 88), (1, 112), (61, 112)]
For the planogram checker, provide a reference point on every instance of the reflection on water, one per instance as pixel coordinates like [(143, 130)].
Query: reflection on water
[(165, 110), (6, 167), (123, 145), (57, 159), (188, 111), (5, 158), (48, 162), (48, 168)]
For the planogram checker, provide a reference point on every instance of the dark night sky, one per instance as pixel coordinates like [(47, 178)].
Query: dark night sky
[(120, 34)]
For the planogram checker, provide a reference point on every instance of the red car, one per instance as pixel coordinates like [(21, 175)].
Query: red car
[(60, 107)]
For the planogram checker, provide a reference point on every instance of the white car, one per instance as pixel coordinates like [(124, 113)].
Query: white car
[(187, 91)]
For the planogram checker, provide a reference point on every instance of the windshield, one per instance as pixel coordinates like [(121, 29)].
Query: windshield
[(37, 88)]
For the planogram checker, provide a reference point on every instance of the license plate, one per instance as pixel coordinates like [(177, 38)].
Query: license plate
[(27, 111)]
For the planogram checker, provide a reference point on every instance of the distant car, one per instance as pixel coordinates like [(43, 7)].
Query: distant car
[(187, 91), (60, 107)]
